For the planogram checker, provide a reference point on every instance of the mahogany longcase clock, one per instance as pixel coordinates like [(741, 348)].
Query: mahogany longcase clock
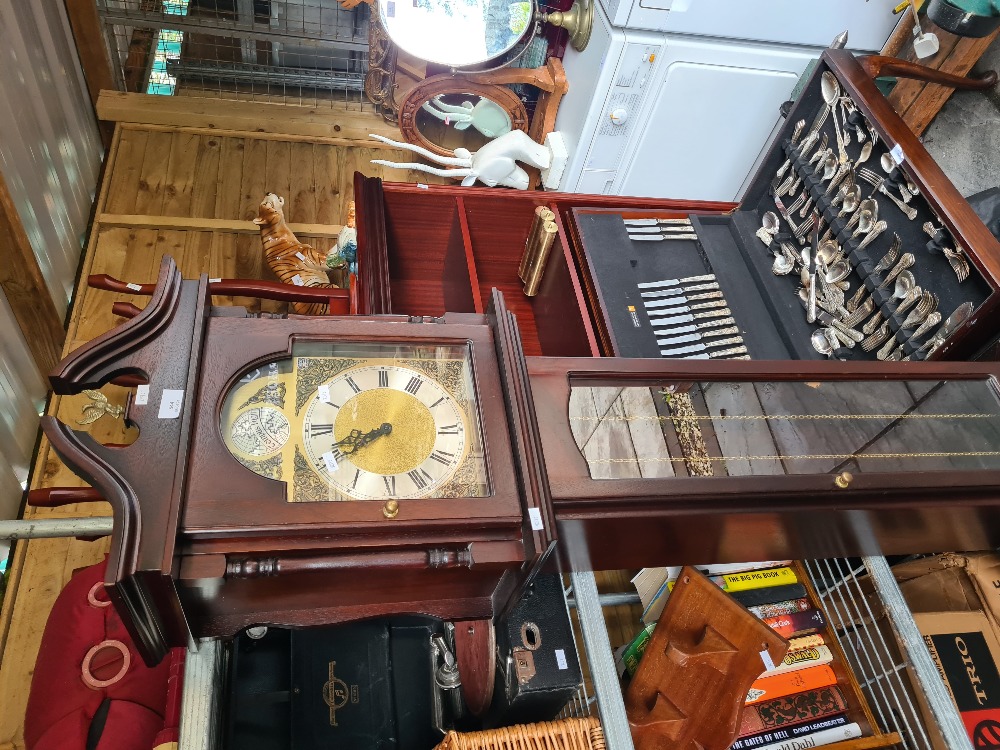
[(309, 470)]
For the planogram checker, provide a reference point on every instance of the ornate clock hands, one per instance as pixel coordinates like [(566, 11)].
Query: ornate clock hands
[(357, 439)]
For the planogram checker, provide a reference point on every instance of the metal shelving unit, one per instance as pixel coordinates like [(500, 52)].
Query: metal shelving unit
[(884, 669)]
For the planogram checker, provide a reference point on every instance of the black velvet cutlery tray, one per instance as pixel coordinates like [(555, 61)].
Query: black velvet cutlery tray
[(767, 307)]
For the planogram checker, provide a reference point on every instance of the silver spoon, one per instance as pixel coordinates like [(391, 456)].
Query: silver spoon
[(837, 272), (830, 88), (866, 220), (867, 206), (770, 222), (821, 342), (866, 152), (888, 165)]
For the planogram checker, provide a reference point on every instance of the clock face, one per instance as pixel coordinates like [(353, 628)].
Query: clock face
[(361, 422)]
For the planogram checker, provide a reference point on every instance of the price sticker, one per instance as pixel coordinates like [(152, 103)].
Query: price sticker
[(535, 516), (133, 287), (561, 659), (171, 402), (331, 461), (765, 656), (897, 154), (422, 186), (141, 395), (297, 280), (215, 281), (324, 394), (300, 256)]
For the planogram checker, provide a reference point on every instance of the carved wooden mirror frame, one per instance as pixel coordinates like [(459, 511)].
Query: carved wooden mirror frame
[(455, 84)]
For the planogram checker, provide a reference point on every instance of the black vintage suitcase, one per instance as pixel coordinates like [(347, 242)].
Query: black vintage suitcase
[(364, 685)]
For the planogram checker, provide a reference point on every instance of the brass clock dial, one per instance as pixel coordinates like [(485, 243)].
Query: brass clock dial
[(384, 431), (361, 422)]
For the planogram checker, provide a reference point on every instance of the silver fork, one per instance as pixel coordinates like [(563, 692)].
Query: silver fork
[(890, 256), (876, 339), (928, 304), (878, 183)]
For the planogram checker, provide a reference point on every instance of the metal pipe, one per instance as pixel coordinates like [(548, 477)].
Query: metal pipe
[(911, 643), (610, 600), (48, 528), (603, 674)]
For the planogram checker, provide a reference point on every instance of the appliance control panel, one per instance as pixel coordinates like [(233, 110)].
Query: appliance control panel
[(625, 100)]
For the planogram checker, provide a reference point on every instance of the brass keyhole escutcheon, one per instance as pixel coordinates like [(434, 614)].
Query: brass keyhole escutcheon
[(844, 480), (390, 509)]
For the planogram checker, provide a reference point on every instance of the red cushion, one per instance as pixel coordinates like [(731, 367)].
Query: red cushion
[(61, 705)]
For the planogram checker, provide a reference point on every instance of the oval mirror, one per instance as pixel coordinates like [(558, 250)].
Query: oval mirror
[(448, 112), (456, 33)]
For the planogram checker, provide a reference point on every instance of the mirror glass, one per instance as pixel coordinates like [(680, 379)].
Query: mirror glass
[(456, 32), (457, 120)]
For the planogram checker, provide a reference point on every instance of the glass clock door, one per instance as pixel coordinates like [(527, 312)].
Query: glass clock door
[(357, 421)]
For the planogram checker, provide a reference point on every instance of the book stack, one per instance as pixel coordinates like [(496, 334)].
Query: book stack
[(795, 704)]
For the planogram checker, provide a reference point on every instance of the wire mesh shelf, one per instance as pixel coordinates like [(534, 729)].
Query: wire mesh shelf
[(306, 52)]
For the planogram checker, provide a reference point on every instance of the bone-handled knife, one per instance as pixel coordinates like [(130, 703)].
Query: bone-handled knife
[(676, 282), (737, 352), (679, 308), (695, 348), (655, 222), (699, 336), (652, 305), (671, 229), (691, 318), (671, 292), (708, 324), (661, 237)]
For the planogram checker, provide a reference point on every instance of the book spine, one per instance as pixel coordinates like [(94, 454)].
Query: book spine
[(801, 622), (770, 595), (818, 739), (792, 710), (801, 659), (759, 579), (634, 650), (778, 686), (780, 608), (721, 569), (805, 641), (754, 741)]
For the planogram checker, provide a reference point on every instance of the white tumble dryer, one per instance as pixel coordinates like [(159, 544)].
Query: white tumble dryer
[(682, 115)]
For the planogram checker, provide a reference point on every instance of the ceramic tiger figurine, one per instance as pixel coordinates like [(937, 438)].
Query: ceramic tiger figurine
[(290, 260)]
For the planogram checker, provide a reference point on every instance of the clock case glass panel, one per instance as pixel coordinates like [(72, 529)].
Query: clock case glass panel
[(343, 421)]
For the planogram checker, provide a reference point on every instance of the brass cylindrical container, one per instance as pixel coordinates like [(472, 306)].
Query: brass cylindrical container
[(537, 267), (531, 246)]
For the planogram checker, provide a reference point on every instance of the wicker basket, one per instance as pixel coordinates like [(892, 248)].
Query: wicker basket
[(566, 734)]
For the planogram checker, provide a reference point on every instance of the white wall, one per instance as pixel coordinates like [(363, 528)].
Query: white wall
[(50, 157)]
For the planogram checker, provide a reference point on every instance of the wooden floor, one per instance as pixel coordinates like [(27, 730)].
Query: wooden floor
[(158, 179)]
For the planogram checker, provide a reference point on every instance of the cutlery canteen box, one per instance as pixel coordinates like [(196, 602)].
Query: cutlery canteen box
[(428, 249)]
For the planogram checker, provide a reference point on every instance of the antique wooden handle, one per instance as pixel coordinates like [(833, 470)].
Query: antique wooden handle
[(55, 497), (338, 299), (877, 65)]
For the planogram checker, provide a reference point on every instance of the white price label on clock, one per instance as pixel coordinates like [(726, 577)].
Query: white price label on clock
[(330, 460), (324, 394), (141, 395), (535, 516), (171, 402)]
